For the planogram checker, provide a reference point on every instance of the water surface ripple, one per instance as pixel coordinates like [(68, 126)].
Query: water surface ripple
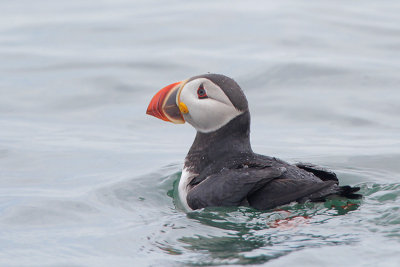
[(87, 179)]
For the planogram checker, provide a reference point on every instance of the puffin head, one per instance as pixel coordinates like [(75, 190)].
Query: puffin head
[(207, 102)]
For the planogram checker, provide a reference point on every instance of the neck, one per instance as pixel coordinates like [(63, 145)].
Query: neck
[(230, 141)]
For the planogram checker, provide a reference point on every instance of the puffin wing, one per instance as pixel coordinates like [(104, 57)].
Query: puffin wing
[(285, 190), (230, 187)]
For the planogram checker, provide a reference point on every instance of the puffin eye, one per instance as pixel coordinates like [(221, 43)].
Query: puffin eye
[(201, 92)]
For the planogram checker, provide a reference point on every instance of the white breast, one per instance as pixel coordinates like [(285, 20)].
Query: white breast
[(186, 177)]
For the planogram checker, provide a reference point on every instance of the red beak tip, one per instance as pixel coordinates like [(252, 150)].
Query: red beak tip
[(156, 106)]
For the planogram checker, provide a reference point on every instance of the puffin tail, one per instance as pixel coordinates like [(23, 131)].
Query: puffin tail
[(349, 192)]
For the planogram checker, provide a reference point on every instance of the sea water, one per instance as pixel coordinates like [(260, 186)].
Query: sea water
[(88, 179)]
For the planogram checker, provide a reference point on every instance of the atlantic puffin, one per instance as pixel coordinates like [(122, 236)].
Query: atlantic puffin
[(221, 168)]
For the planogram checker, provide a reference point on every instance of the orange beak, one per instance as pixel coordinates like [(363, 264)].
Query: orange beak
[(164, 105)]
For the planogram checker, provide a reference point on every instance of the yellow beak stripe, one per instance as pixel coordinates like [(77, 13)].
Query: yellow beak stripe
[(183, 108)]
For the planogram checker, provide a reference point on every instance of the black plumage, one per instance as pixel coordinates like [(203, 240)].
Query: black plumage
[(229, 173)]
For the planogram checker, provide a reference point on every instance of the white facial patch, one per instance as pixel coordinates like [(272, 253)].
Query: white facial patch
[(207, 114)]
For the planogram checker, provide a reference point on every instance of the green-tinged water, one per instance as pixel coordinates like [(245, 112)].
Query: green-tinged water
[(242, 235), (88, 179)]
